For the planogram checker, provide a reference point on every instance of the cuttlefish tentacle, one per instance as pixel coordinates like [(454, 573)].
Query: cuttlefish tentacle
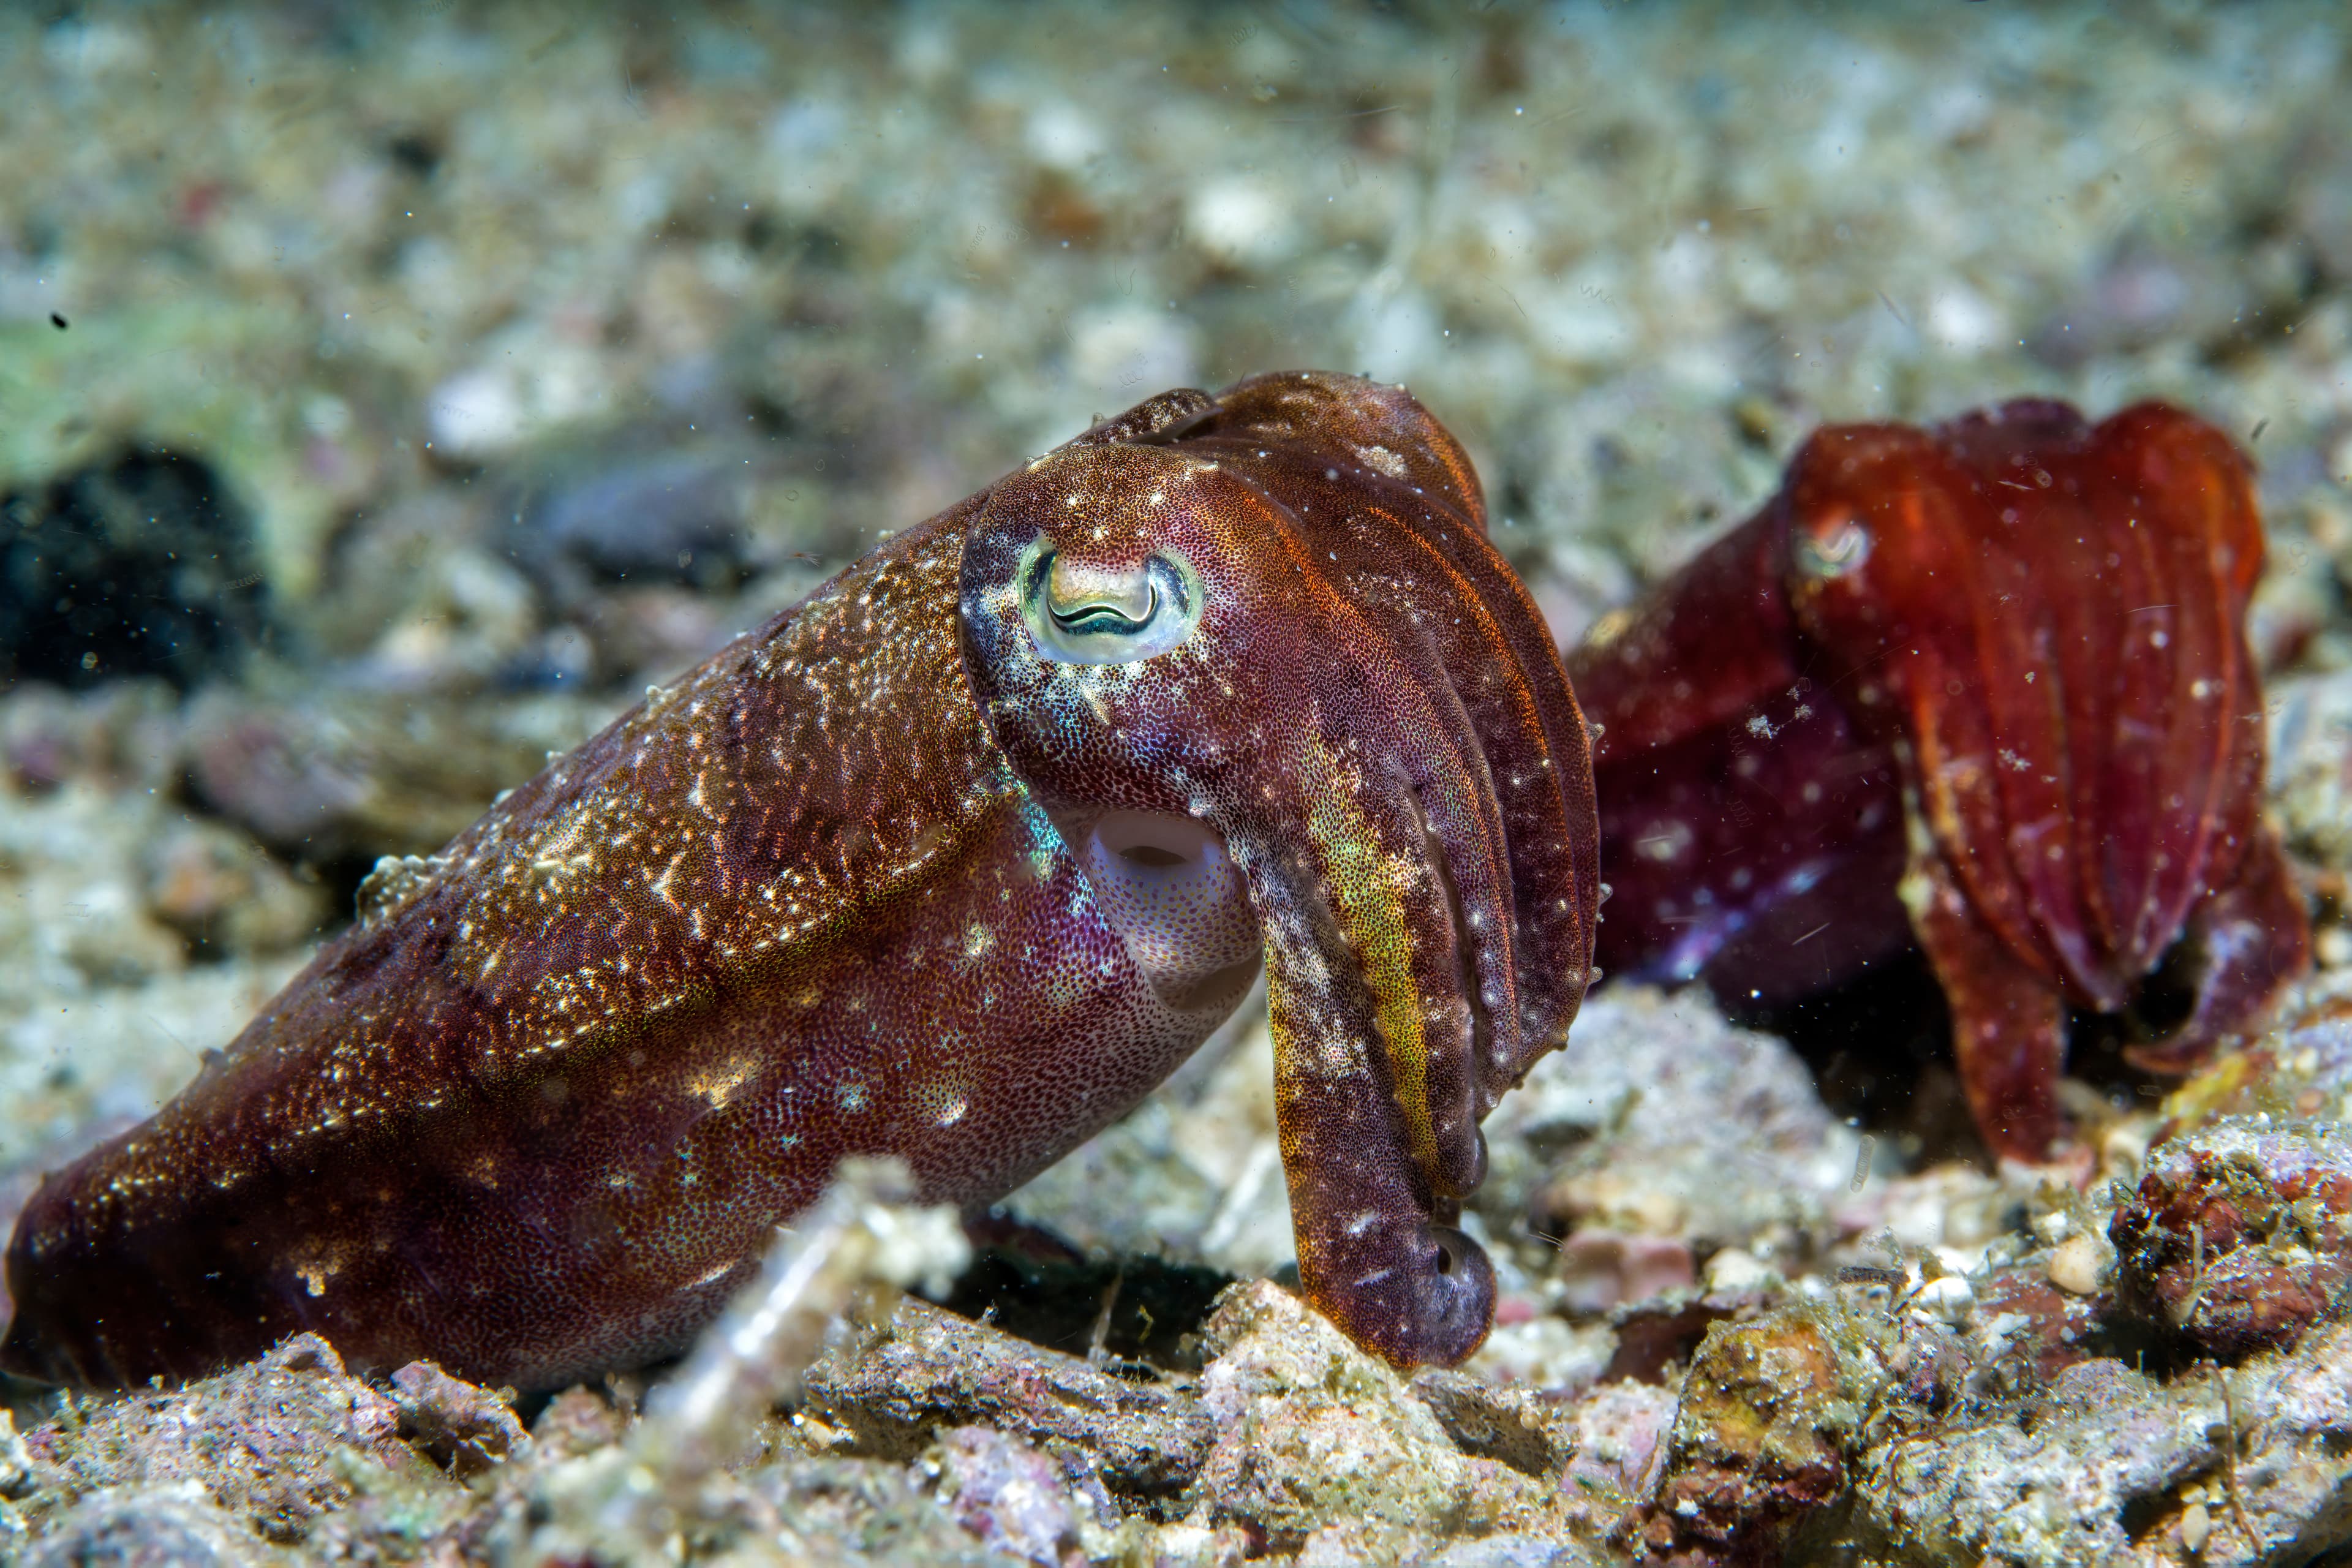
[(2245, 940), (2009, 1019), (1323, 733)]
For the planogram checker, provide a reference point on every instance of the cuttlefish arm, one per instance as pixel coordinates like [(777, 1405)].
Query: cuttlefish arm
[(1274, 613)]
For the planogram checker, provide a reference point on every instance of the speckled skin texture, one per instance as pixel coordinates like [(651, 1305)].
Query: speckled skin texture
[(955, 861), (1986, 687)]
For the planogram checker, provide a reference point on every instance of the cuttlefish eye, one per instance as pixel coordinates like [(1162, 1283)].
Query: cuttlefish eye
[(1078, 613), (1832, 548)]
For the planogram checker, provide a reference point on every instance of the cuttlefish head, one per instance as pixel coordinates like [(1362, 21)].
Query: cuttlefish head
[(1266, 631)]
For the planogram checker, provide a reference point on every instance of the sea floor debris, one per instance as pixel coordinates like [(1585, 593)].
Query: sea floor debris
[(2076, 1386)]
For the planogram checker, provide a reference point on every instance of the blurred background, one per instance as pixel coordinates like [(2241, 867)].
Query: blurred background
[(389, 392)]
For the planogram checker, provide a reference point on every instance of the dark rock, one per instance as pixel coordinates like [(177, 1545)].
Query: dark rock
[(139, 564), (1769, 1409), (2240, 1236), (1029, 1282), (1009, 1495), (464, 1429), (1513, 1425), (2046, 1328), (670, 517), (577, 1422), (279, 1443), (896, 1384), (146, 1527), (1657, 1333)]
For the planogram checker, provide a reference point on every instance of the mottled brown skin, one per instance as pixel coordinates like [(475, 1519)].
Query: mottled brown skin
[(1984, 686), (955, 861)]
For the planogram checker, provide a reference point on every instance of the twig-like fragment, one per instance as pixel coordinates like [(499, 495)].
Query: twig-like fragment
[(752, 1359), (636, 1501)]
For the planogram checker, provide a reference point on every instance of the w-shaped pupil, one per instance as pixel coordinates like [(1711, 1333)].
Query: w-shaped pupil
[(1100, 618), (1079, 614)]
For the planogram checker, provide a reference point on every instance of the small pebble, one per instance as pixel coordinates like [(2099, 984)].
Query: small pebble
[(2123, 1152), (2075, 1265), (2196, 1524), (1951, 1298), (1732, 1270)]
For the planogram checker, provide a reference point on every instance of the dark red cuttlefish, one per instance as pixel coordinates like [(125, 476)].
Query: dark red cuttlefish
[(955, 861), (1985, 687)]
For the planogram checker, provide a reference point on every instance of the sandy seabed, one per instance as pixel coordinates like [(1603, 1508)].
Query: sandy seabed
[(499, 360)]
